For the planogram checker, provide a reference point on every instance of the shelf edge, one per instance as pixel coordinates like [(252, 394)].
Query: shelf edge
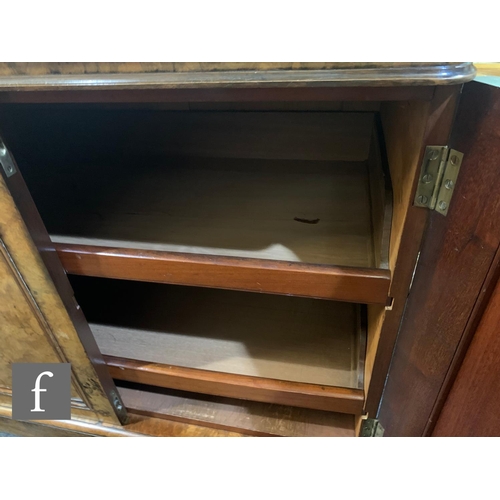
[(312, 396), (346, 284)]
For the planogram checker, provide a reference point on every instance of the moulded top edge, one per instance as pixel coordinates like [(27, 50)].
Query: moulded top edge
[(72, 76)]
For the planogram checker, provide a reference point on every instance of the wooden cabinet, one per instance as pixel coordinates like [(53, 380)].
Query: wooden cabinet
[(219, 251)]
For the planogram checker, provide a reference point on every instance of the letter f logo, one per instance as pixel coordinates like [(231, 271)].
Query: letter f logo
[(37, 390)]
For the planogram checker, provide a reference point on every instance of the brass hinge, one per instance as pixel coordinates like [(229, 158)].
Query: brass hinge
[(371, 427), (438, 176), (6, 160)]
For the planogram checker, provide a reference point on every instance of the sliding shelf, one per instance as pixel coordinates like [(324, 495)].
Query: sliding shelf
[(292, 203), (234, 415), (286, 227), (362, 285), (267, 348)]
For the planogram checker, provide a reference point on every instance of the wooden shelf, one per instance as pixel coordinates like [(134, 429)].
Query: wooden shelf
[(268, 348), (235, 224), (235, 208), (245, 417), (360, 285), (274, 202)]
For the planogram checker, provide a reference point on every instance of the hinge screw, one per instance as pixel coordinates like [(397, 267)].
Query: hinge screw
[(116, 401), (433, 154), (427, 178), (454, 160), (448, 184), (422, 199), (443, 205)]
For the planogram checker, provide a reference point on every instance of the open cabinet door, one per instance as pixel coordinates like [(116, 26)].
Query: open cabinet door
[(454, 275), (40, 321)]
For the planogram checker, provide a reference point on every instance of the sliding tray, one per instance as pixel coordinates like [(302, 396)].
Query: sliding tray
[(268, 348), (234, 415), (285, 203)]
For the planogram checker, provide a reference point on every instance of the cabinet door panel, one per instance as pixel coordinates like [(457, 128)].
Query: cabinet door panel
[(472, 407), (39, 319), (456, 256)]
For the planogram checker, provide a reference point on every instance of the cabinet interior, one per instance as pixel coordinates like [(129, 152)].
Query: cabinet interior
[(169, 220)]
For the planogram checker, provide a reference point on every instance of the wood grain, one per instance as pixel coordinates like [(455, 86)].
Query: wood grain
[(403, 128), (347, 106), (244, 207), (315, 397), (138, 426), (48, 319), (454, 261), (39, 76), (475, 317), (408, 128), (267, 336), (44, 68), (472, 408), (247, 417), (220, 94), (25, 335), (348, 284), (141, 425), (214, 208), (381, 199)]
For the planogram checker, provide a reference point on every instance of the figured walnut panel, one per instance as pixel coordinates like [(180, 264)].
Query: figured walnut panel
[(69, 68), (34, 320), (25, 336), (138, 426)]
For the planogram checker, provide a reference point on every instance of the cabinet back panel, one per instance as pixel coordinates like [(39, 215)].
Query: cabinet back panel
[(44, 135)]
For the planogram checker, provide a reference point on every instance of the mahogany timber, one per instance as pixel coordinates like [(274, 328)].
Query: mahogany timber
[(246, 417), (241, 204), (482, 302), (89, 76), (229, 95), (268, 336), (269, 348), (288, 393), (152, 207), (361, 285), (454, 262), (472, 407), (408, 128)]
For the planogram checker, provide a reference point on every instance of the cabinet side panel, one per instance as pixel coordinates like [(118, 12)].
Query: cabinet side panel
[(404, 127)]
